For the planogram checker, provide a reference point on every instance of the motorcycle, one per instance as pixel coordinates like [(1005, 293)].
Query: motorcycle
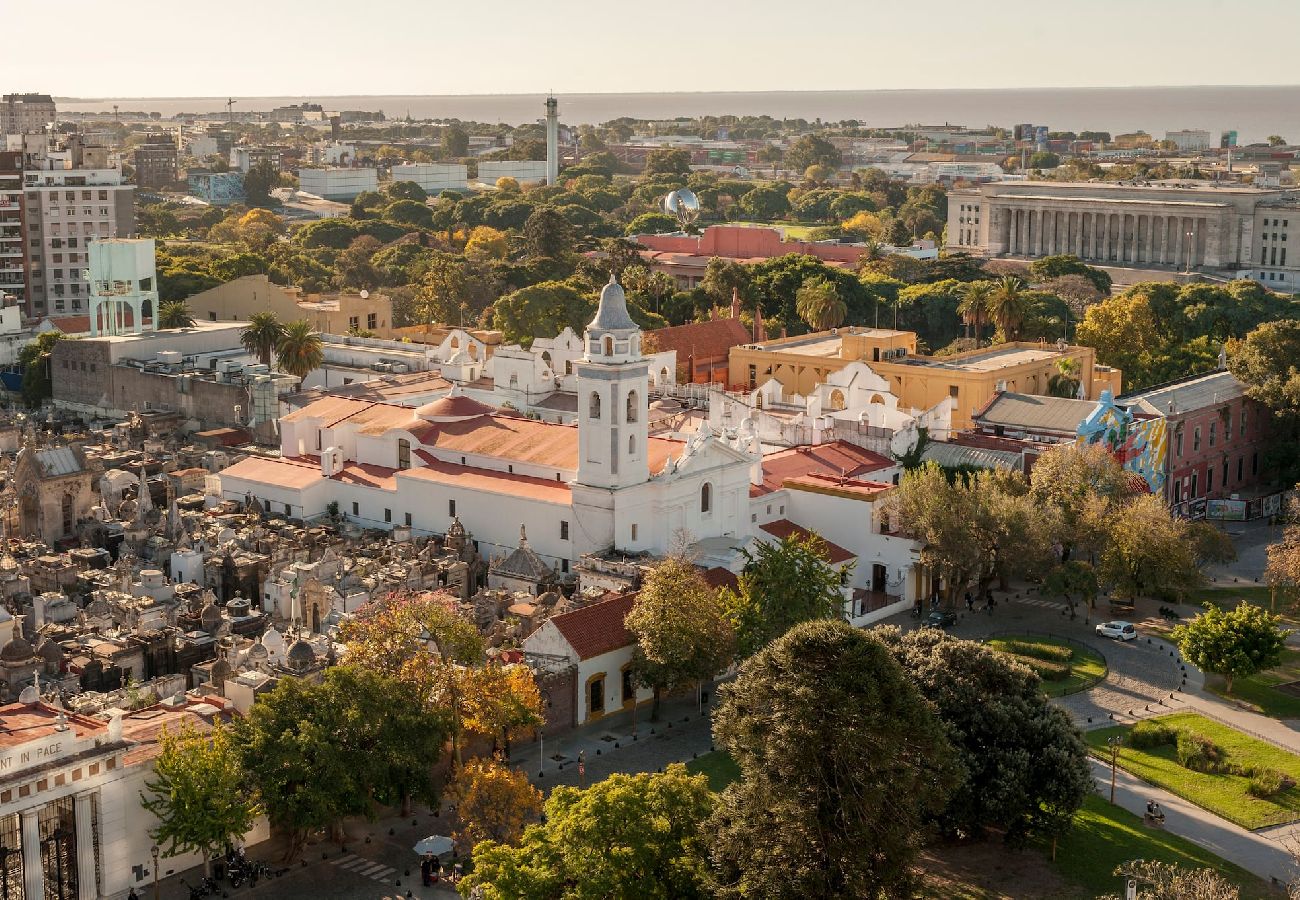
[(1154, 816)]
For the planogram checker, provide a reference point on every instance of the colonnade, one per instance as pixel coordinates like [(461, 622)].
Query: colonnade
[(1122, 238)]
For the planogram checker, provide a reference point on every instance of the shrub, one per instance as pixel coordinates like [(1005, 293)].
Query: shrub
[(1048, 671), (1266, 783), (1048, 652), (1199, 753), (1148, 734)]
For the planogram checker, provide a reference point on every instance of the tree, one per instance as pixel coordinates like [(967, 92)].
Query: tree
[(543, 309), (1266, 363), (1025, 765), (1008, 306), (1276, 140), (487, 243), (666, 161), (974, 305), (493, 803), (765, 203), (1060, 265), (819, 174), (626, 836), (547, 233), (175, 314), (681, 627), (1044, 159), (723, 278), (299, 351), (651, 223), (1148, 552), (899, 234), (842, 761), (455, 141), (34, 359), (1240, 642), (819, 304), (1073, 581), (1081, 486), (199, 793), (781, 585), (501, 702), (812, 150), (409, 212), (508, 185), (405, 190), (262, 335), (1165, 881), (258, 181)]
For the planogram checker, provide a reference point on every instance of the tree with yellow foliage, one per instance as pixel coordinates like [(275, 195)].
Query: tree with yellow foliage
[(486, 242), (493, 803), (500, 702), (866, 224)]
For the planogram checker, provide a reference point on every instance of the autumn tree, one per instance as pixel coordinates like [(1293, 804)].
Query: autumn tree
[(493, 803), (781, 585), (199, 793), (1079, 486), (501, 702), (1148, 552), (681, 627), (626, 836), (487, 243), (842, 761), (1236, 643), (1025, 765), (1164, 881)]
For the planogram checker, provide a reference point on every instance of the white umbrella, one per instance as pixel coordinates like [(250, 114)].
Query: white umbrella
[(435, 844)]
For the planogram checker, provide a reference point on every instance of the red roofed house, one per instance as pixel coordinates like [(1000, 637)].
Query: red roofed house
[(595, 640)]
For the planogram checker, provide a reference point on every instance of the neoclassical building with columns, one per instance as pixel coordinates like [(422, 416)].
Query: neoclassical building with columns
[(1184, 225)]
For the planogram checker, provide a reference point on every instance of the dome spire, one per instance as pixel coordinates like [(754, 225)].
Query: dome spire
[(611, 314)]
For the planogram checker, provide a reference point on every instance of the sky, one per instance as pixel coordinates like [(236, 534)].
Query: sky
[(180, 48)]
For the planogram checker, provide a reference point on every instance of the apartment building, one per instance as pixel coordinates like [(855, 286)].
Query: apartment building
[(155, 162), (13, 259), (71, 196), (26, 113)]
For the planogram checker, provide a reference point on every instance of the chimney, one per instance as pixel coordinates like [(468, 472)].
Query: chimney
[(735, 303), (760, 331)]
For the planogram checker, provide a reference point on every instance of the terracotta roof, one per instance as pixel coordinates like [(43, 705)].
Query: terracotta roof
[(387, 389), (491, 481), (457, 407), (703, 340), (329, 409), (21, 723), (530, 441), (145, 726), (838, 458), (367, 475), (226, 437), (280, 472), (784, 528), (598, 628), (718, 577), (845, 487)]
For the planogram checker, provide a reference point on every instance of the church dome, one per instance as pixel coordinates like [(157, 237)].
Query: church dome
[(210, 618), (51, 652), (612, 313), (18, 650), (454, 407), (301, 656), (258, 653)]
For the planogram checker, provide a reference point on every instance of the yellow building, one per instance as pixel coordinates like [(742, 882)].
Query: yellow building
[(801, 363), (237, 300)]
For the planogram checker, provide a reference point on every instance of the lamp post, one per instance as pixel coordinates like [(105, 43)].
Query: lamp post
[(1190, 234), (1113, 743), (153, 851)]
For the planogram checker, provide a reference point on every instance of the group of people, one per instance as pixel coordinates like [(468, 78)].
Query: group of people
[(918, 609)]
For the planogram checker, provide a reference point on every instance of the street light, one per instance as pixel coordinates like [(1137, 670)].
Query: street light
[(1190, 235), (153, 851), (1114, 744)]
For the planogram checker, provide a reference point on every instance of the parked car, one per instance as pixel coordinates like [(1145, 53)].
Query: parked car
[(939, 619), (1120, 631)]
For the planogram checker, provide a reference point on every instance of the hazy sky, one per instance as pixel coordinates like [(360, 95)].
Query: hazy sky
[(150, 48)]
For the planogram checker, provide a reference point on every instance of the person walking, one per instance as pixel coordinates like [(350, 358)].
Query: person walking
[(970, 602)]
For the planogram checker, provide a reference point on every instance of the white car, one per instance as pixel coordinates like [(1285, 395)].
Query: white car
[(1120, 631)]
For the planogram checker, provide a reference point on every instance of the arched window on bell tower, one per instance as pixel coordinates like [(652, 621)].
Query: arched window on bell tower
[(609, 346), (594, 408), (632, 401)]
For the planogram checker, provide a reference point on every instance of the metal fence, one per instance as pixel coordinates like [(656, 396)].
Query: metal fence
[(1070, 642)]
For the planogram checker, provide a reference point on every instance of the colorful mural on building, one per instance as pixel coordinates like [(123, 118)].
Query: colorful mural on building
[(1140, 445)]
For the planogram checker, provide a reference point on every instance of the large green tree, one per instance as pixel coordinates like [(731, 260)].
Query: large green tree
[(34, 360), (1148, 552), (199, 793), (812, 150), (842, 761), (819, 304), (626, 836), (547, 233), (781, 585), (681, 627), (1235, 644), (1025, 765), (667, 161), (543, 309), (1079, 487)]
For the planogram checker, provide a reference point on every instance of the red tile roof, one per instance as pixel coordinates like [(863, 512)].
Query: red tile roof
[(718, 578), (21, 723), (837, 458), (784, 528), (490, 480), (598, 628), (703, 340)]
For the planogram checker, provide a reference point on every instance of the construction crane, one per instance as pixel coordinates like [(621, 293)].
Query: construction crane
[(230, 112)]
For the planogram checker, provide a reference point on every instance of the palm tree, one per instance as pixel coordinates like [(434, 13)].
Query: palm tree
[(974, 305), (299, 351), (262, 335), (1008, 306), (818, 303), (175, 314), (1065, 383)]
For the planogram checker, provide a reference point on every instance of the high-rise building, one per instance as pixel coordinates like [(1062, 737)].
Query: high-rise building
[(13, 258), (71, 195), (155, 161), (26, 113)]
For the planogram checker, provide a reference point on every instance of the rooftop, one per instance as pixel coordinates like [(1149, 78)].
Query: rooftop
[(1186, 394), (784, 528), (1035, 413), (597, 629), (1004, 356), (839, 459)]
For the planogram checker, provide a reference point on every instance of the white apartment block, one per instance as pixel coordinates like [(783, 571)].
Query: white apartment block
[(340, 185), (434, 177), (1189, 139)]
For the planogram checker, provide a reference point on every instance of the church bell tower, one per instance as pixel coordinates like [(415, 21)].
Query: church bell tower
[(613, 401)]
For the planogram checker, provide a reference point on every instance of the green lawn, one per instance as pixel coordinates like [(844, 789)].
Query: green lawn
[(1228, 596), (1086, 667), (1105, 836), (1222, 794), (793, 231), (719, 766), (1260, 692)]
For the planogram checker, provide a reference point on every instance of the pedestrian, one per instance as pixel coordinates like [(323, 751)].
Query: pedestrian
[(916, 610), (426, 869), (970, 602)]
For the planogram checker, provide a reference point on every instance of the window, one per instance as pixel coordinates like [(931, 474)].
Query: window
[(356, 509), (1178, 442), (1196, 439), (1227, 424), (354, 323), (451, 508), (1242, 420), (371, 321), (1209, 480), (408, 520), (634, 532), (1214, 430), (631, 445), (596, 696), (1224, 480), (593, 407), (564, 530), (288, 510), (631, 406), (388, 515), (1193, 495), (953, 390), (706, 498), (403, 453), (266, 505), (1241, 467), (609, 346), (1254, 463)]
